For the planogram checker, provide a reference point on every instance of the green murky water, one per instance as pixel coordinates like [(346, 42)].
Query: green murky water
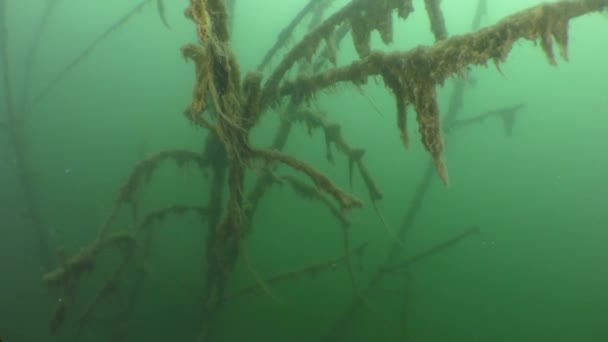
[(536, 272)]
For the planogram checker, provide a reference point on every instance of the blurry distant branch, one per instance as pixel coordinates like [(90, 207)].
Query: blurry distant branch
[(506, 114), (89, 49), (33, 51), (14, 126), (432, 251), (310, 270)]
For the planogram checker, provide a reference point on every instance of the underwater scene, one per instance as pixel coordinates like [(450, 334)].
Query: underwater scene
[(303, 170)]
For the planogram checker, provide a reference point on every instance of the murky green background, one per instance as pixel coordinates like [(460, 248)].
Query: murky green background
[(537, 271)]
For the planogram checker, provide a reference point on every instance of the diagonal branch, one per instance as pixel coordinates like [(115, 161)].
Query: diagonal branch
[(432, 251), (507, 115), (310, 270), (286, 32)]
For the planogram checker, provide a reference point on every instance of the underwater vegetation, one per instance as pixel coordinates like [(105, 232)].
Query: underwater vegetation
[(228, 103)]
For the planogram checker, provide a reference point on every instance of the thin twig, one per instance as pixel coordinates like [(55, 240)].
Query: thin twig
[(310, 270), (286, 33), (507, 115), (432, 251)]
